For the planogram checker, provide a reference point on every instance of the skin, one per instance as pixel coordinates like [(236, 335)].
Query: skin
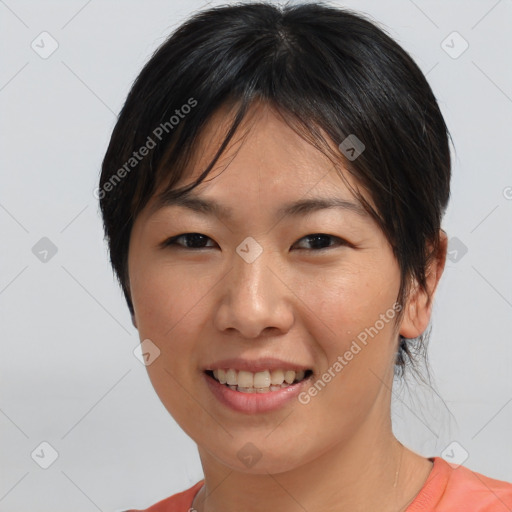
[(296, 302)]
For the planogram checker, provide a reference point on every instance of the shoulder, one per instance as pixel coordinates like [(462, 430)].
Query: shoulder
[(180, 502), (451, 487), (489, 494)]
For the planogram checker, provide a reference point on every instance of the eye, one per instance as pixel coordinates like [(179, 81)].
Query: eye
[(321, 241), (191, 241)]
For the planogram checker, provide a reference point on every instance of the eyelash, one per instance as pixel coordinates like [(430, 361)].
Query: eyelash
[(173, 241)]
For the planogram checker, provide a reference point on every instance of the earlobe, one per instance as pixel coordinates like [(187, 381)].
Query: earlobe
[(418, 308), (410, 327)]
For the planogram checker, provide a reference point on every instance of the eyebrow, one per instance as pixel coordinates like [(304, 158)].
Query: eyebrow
[(299, 208)]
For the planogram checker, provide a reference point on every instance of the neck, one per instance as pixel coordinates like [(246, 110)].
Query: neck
[(373, 471)]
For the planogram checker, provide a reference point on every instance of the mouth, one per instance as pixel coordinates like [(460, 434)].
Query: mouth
[(266, 381)]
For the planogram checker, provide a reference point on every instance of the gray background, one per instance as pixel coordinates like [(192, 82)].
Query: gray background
[(68, 373)]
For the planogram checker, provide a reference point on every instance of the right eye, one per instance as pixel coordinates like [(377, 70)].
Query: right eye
[(187, 241)]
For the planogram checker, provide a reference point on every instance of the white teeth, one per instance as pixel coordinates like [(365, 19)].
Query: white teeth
[(261, 379), (277, 377), (259, 382), (289, 376), (245, 379), (221, 375), (231, 377)]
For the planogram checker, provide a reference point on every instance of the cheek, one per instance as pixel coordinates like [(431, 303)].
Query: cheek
[(358, 346), (346, 302), (168, 308), (163, 297)]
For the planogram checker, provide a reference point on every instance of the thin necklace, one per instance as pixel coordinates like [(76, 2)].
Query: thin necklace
[(399, 465)]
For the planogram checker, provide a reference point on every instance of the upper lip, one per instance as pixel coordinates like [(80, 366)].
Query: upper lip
[(256, 365)]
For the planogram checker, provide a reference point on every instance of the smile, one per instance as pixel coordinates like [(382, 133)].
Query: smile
[(259, 382)]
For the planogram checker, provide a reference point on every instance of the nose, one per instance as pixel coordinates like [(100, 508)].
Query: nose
[(254, 298)]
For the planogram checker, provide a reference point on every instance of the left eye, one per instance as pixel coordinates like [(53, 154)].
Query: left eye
[(321, 241), (196, 240), (193, 241)]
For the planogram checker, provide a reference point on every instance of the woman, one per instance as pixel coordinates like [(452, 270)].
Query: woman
[(272, 198)]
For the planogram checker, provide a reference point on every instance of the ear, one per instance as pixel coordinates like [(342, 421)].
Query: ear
[(417, 311)]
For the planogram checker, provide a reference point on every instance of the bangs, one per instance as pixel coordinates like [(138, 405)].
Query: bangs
[(179, 160)]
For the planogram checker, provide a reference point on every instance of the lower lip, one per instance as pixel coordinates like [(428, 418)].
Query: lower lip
[(255, 403)]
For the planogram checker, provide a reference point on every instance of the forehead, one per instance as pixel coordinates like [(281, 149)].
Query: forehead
[(266, 161)]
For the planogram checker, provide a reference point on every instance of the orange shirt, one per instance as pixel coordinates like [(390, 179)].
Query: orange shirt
[(447, 489)]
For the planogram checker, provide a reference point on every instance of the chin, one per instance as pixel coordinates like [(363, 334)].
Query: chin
[(253, 461)]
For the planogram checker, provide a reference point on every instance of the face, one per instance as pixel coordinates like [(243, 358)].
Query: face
[(267, 290)]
